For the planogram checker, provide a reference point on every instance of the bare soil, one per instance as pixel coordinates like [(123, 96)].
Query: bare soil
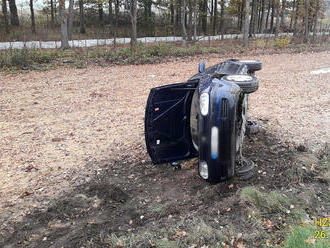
[(74, 169)]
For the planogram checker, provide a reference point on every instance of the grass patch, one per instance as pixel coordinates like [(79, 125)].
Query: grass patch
[(304, 237), (187, 232), (266, 203), (40, 59)]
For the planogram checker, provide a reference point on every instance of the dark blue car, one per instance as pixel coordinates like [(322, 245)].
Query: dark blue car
[(205, 117)]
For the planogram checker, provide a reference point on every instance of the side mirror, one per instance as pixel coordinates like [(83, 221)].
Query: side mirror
[(201, 67)]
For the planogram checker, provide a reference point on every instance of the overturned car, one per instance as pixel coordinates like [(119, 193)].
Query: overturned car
[(205, 117)]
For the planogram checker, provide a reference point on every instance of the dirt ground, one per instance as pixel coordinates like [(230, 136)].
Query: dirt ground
[(74, 171)]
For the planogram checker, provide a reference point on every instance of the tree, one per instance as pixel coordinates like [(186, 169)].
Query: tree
[(101, 13), (195, 19), (215, 17), (82, 17), (64, 25), (183, 24), (306, 21), (262, 17), (110, 12), (52, 17), (33, 24), (70, 19), (133, 14), (246, 23), (222, 5), (5, 15), (13, 13)]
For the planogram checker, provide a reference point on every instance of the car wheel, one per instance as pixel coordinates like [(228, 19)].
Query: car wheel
[(252, 65), (248, 84)]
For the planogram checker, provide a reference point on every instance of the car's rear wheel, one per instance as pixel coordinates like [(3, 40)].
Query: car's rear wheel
[(248, 83)]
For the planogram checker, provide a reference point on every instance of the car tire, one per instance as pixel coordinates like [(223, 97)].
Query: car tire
[(252, 65), (247, 83)]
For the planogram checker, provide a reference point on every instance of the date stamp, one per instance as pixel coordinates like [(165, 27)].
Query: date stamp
[(321, 223)]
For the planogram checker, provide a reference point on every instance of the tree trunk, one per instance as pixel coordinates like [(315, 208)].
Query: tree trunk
[(296, 17), (204, 16), (82, 17), (190, 17), (183, 24), (133, 14), (252, 18), (292, 13), (306, 21), (64, 25), (70, 19), (110, 12), (13, 13), (52, 18), (246, 23), (262, 18), (195, 19), (178, 13), (172, 12), (283, 13), (272, 17), (33, 24), (5, 15), (101, 14), (222, 5), (277, 22), (215, 17), (268, 13), (317, 8)]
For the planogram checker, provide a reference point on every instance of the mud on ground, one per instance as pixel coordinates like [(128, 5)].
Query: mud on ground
[(75, 173)]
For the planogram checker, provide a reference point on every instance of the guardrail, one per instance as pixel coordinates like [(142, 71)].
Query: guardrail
[(103, 42)]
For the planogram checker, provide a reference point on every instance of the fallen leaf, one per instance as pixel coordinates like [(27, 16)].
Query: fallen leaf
[(119, 244), (310, 240), (239, 244), (228, 209), (239, 236), (231, 186), (268, 224)]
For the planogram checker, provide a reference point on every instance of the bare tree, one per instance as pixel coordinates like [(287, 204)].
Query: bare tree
[(52, 17), (13, 13), (82, 17), (306, 21), (222, 5), (110, 12), (183, 24), (277, 21), (101, 13), (246, 23), (262, 17), (70, 19), (133, 14), (64, 25), (5, 15), (215, 17), (33, 23), (195, 18)]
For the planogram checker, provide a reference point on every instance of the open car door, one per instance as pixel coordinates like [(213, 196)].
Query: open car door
[(167, 122)]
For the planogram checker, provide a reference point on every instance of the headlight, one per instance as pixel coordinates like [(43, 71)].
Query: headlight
[(203, 170), (204, 103)]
